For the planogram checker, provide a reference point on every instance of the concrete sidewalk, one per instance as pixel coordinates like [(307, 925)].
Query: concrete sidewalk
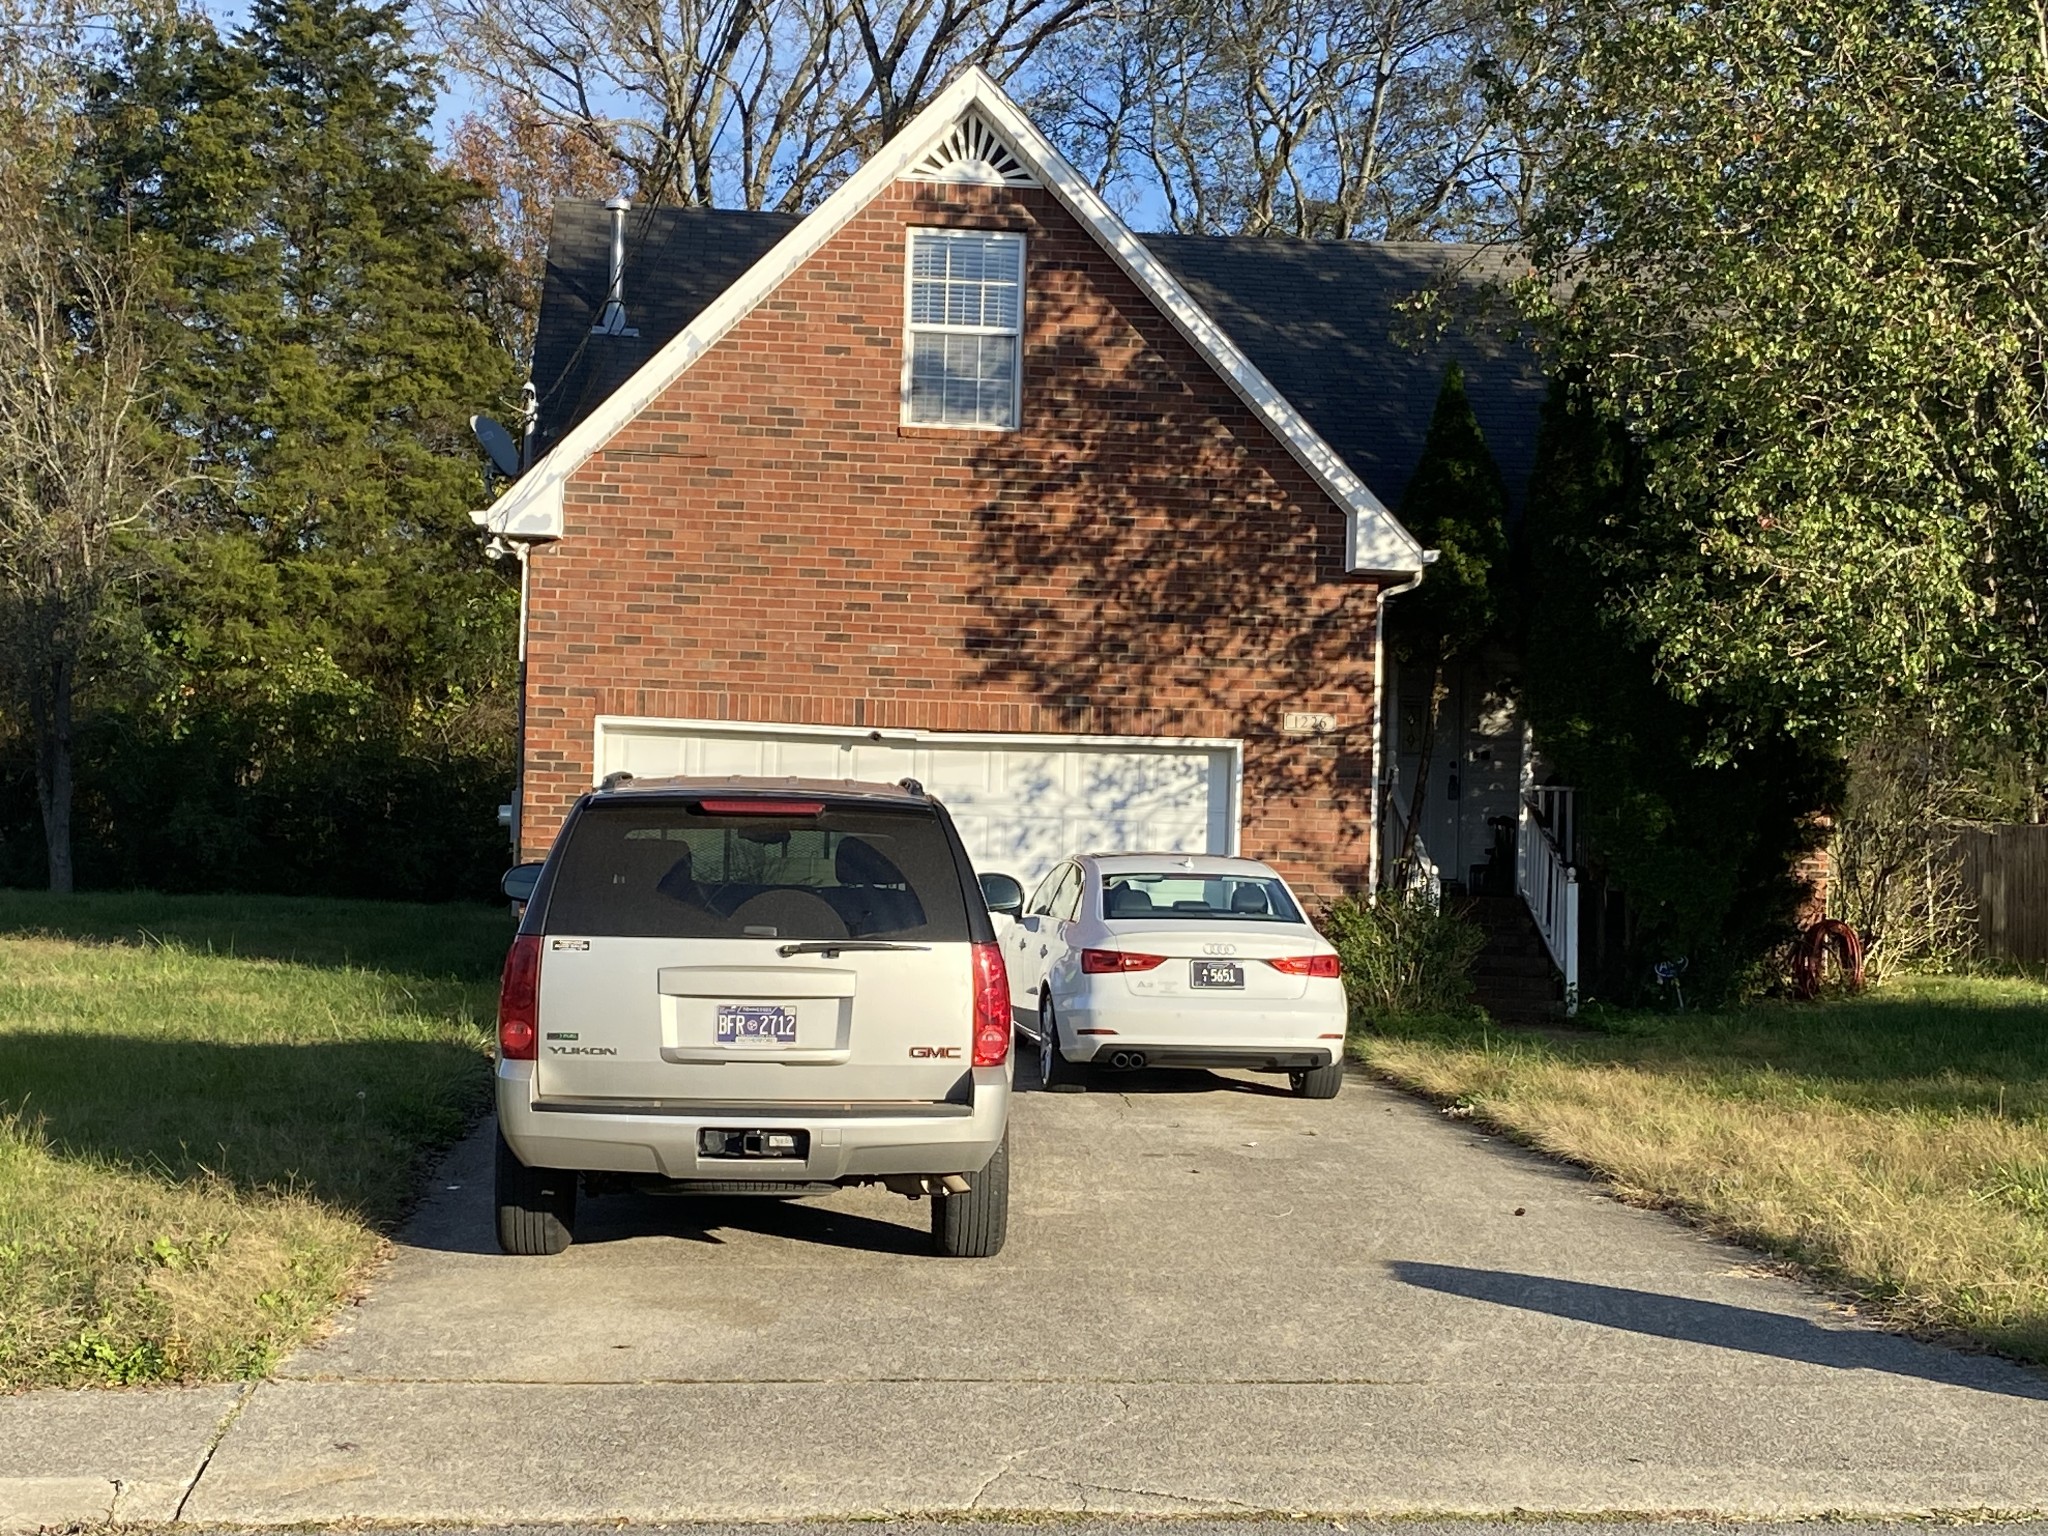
[(1216, 1299)]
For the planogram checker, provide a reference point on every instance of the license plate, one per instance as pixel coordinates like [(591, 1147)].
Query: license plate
[(1217, 973), (755, 1024)]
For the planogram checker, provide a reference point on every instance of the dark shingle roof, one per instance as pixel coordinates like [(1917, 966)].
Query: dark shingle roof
[(1324, 320), (677, 261), (1329, 323)]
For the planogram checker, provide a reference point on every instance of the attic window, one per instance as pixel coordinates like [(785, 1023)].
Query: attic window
[(966, 315)]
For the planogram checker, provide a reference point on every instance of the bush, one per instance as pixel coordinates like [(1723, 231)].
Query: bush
[(318, 796), (1403, 954)]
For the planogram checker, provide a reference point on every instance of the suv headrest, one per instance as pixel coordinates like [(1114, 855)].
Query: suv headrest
[(860, 862)]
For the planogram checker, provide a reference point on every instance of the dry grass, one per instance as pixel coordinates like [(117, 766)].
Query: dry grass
[(1896, 1144), (199, 1146)]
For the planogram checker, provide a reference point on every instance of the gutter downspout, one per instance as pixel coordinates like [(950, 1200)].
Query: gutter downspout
[(524, 551), (1376, 806)]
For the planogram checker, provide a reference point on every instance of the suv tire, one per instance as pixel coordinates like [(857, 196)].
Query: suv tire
[(1318, 1082), (536, 1206), (1055, 1072), (973, 1225)]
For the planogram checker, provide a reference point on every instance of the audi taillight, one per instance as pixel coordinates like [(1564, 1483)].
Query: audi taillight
[(519, 1000), (1308, 965), (1097, 962), (991, 1007)]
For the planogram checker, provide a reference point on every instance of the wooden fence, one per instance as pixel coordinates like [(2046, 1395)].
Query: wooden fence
[(2005, 870)]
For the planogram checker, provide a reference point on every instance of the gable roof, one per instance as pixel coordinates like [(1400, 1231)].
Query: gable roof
[(1324, 320), (1329, 322), (1375, 540)]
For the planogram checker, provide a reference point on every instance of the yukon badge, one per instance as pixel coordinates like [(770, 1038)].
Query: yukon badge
[(935, 1053), (581, 1050)]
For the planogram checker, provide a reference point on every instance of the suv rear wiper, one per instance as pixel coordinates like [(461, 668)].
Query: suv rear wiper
[(834, 946)]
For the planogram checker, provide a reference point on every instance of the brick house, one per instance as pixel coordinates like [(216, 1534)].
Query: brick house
[(957, 478)]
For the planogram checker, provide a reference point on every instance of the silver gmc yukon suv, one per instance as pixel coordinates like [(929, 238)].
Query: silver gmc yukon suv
[(760, 987)]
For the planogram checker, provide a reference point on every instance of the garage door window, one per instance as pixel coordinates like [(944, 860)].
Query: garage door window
[(966, 324)]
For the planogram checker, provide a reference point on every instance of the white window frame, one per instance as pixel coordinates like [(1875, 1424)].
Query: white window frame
[(911, 330)]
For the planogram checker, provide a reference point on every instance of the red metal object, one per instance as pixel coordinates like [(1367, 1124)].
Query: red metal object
[(1810, 957)]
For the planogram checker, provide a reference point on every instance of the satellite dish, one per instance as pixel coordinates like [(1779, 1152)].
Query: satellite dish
[(497, 443)]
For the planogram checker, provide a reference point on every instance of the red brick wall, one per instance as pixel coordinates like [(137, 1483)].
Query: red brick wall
[(767, 542)]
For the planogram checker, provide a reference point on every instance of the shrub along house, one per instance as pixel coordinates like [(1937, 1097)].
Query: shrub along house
[(957, 478)]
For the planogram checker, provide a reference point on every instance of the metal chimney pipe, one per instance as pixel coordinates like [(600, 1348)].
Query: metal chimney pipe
[(611, 320)]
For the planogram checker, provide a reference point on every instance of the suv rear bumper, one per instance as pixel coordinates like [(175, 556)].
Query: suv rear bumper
[(847, 1141)]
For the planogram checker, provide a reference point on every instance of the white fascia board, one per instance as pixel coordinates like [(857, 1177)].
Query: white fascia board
[(1375, 541), (533, 505)]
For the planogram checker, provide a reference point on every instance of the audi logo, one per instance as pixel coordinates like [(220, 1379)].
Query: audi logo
[(1219, 949)]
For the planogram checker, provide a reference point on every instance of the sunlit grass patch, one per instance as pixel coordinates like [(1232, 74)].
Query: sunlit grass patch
[(1896, 1144), (199, 1144)]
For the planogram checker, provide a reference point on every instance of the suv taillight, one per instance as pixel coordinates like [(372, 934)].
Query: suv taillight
[(519, 1000), (991, 1007), (1101, 962)]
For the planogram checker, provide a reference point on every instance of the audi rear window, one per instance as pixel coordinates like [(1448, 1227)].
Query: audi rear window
[(1228, 898), (678, 871)]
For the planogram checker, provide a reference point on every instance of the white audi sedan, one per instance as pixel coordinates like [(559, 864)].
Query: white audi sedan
[(1176, 960)]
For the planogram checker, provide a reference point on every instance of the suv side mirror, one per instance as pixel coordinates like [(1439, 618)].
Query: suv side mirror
[(1003, 895), (519, 882)]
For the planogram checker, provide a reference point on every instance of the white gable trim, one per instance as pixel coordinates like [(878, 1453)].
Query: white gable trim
[(1375, 541)]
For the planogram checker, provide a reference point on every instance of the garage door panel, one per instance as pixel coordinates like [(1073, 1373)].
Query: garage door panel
[(1021, 805), (1136, 785)]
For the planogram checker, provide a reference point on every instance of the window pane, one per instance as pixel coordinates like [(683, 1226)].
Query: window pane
[(962, 288), (999, 305), (998, 380), (927, 378)]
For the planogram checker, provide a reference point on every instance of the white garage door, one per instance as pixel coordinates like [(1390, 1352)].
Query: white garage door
[(1021, 802)]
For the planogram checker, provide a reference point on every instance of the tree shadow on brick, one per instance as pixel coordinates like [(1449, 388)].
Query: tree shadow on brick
[(1154, 563)]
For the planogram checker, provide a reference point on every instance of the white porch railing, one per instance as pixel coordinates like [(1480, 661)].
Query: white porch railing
[(1423, 875), (1548, 882)]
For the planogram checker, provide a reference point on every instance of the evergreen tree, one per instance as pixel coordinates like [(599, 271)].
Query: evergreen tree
[(1701, 843), (327, 705), (1456, 503), (328, 303)]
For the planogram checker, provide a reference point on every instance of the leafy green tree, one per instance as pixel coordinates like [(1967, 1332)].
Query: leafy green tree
[(1700, 840), (1456, 503), (1795, 246)]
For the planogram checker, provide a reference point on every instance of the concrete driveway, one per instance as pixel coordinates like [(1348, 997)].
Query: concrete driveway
[(1215, 1298)]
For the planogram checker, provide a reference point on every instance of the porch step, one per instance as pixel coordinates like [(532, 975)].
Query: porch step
[(1513, 979)]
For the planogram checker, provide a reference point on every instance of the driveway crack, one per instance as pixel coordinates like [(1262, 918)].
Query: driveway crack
[(1009, 1462), (1161, 1493), (220, 1433)]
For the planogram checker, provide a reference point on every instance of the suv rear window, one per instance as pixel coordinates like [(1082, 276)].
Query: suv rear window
[(676, 871)]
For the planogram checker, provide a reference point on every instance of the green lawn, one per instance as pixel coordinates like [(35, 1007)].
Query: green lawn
[(210, 1108), (1896, 1144)]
